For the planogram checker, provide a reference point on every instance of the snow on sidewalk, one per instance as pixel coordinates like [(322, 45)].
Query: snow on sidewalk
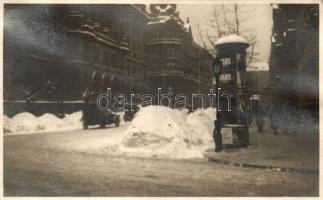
[(289, 150)]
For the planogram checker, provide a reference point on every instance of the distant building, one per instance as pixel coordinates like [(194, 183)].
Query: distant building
[(294, 62), (52, 53), (258, 78)]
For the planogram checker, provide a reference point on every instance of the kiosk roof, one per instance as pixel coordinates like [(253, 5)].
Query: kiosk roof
[(231, 39)]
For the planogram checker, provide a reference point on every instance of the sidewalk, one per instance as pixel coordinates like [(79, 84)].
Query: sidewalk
[(290, 151)]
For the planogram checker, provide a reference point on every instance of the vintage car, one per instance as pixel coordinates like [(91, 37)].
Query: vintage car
[(93, 116)]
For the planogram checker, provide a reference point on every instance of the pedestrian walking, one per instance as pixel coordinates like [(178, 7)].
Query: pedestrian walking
[(260, 119), (274, 118)]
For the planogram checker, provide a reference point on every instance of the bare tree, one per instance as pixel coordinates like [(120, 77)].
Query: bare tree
[(227, 19)]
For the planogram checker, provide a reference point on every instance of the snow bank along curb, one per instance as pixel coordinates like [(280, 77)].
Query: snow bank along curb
[(25, 123)]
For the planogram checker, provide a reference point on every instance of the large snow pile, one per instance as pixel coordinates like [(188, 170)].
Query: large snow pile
[(165, 132), (28, 123), (202, 122)]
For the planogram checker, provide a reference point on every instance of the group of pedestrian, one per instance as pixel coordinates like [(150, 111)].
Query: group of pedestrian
[(281, 118)]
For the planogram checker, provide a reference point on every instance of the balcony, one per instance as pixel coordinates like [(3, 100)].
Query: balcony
[(165, 41)]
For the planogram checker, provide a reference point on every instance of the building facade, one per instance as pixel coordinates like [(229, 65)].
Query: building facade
[(178, 57), (52, 53), (294, 62)]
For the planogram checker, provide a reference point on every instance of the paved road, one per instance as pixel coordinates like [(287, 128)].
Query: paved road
[(38, 165)]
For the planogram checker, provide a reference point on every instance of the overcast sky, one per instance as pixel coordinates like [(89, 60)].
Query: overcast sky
[(260, 16)]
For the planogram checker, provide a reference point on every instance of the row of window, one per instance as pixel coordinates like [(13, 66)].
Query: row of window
[(134, 70), (168, 51)]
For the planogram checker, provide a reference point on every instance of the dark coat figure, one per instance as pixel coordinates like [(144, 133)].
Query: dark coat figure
[(89, 96), (260, 119), (276, 115), (89, 105), (275, 118), (253, 110)]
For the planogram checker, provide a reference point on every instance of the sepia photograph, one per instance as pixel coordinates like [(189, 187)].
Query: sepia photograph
[(212, 99)]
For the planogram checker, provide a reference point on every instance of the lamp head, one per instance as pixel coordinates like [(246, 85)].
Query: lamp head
[(217, 66)]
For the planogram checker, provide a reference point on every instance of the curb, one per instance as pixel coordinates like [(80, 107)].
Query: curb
[(265, 167)]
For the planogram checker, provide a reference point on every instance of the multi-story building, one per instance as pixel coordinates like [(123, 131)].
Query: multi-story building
[(52, 53), (178, 57), (294, 62)]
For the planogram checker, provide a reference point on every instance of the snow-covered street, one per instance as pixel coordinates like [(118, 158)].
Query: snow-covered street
[(159, 153), (57, 164)]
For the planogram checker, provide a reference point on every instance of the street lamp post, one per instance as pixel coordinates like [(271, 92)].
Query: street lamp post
[(217, 136)]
